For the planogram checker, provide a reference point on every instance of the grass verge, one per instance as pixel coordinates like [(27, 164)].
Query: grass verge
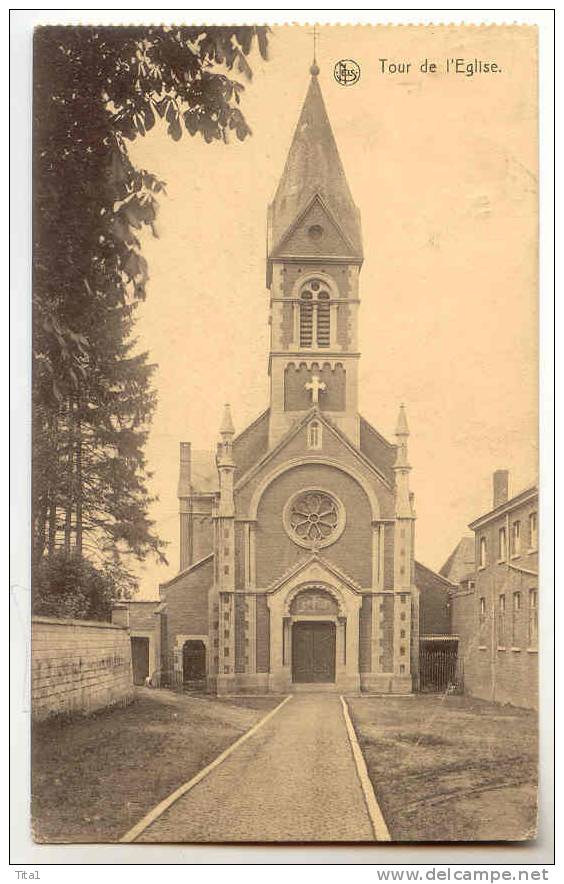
[(94, 778), (450, 769)]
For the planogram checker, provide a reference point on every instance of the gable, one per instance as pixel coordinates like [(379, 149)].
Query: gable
[(315, 234), (335, 451)]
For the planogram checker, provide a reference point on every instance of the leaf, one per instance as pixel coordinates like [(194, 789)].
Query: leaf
[(175, 129)]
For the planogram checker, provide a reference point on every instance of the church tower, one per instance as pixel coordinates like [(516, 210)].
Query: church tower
[(297, 533), (314, 255)]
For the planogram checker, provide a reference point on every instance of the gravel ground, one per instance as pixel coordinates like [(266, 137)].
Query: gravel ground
[(294, 780)]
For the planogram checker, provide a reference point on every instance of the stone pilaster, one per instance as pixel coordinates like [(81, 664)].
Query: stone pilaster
[(403, 563)]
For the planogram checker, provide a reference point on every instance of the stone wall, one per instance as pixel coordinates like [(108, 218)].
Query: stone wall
[(78, 666)]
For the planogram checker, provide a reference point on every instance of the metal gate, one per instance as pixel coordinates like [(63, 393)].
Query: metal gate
[(437, 663)]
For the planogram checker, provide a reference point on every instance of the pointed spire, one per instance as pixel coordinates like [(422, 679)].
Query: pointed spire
[(402, 428), (227, 429), (402, 435), (313, 168)]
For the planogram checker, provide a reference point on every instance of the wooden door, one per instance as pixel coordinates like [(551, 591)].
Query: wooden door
[(140, 659), (313, 652)]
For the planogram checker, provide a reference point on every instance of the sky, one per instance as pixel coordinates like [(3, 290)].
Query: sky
[(443, 169)]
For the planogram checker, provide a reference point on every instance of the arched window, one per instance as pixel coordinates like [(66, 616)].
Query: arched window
[(314, 435), (315, 314), (306, 319)]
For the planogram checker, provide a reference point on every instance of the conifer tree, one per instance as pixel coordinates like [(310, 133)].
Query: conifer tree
[(95, 89)]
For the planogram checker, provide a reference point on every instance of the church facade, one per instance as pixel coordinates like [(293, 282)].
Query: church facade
[(297, 566)]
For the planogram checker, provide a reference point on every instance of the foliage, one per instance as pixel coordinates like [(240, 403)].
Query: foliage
[(70, 586), (96, 89)]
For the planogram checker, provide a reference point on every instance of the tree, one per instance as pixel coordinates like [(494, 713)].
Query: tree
[(96, 89)]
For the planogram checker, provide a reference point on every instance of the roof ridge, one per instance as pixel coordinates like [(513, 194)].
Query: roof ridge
[(187, 570)]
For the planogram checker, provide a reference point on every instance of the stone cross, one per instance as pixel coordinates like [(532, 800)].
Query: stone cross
[(316, 386)]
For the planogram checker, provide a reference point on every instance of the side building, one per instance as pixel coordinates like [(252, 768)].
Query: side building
[(494, 608)]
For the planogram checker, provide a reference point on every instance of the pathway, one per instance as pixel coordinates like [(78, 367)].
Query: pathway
[(294, 780)]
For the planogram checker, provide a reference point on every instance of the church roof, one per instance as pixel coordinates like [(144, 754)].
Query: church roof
[(313, 169), (461, 560), (377, 449), (205, 479)]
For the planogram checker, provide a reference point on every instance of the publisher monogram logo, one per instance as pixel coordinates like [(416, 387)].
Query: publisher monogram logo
[(346, 72)]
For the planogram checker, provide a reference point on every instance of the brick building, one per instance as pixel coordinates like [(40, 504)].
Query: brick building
[(297, 535), (494, 608)]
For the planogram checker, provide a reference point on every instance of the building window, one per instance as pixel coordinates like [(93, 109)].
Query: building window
[(315, 314), (515, 619), (482, 609), (314, 518), (516, 538), (533, 618), (533, 539), (501, 622), (502, 550), (314, 435), (483, 552)]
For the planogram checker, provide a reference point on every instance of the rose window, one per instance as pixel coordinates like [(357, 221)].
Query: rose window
[(314, 518)]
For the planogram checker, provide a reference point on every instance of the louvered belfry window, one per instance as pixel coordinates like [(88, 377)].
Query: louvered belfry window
[(315, 314), (306, 319)]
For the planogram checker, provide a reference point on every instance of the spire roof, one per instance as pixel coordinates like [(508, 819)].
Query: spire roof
[(402, 428), (313, 167), (227, 428)]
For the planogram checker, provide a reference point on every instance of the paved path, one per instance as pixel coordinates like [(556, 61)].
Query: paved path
[(294, 780)]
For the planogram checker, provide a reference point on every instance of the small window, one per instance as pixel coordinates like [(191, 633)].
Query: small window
[(515, 620), (502, 551), (533, 540), (533, 618), (314, 435), (482, 608), (516, 538), (501, 622), (483, 552)]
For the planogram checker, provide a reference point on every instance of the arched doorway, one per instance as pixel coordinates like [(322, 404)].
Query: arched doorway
[(194, 664), (314, 613)]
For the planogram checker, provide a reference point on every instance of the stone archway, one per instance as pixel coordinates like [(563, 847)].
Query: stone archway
[(315, 593)]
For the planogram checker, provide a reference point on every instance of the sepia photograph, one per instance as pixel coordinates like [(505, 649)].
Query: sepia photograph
[(285, 434)]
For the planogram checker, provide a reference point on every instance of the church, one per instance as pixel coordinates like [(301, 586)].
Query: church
[(297, 567)]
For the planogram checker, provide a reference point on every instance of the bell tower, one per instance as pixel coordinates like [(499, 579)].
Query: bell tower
[(314, 256)]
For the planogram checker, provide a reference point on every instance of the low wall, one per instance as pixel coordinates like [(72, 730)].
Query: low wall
[(78, 666)]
